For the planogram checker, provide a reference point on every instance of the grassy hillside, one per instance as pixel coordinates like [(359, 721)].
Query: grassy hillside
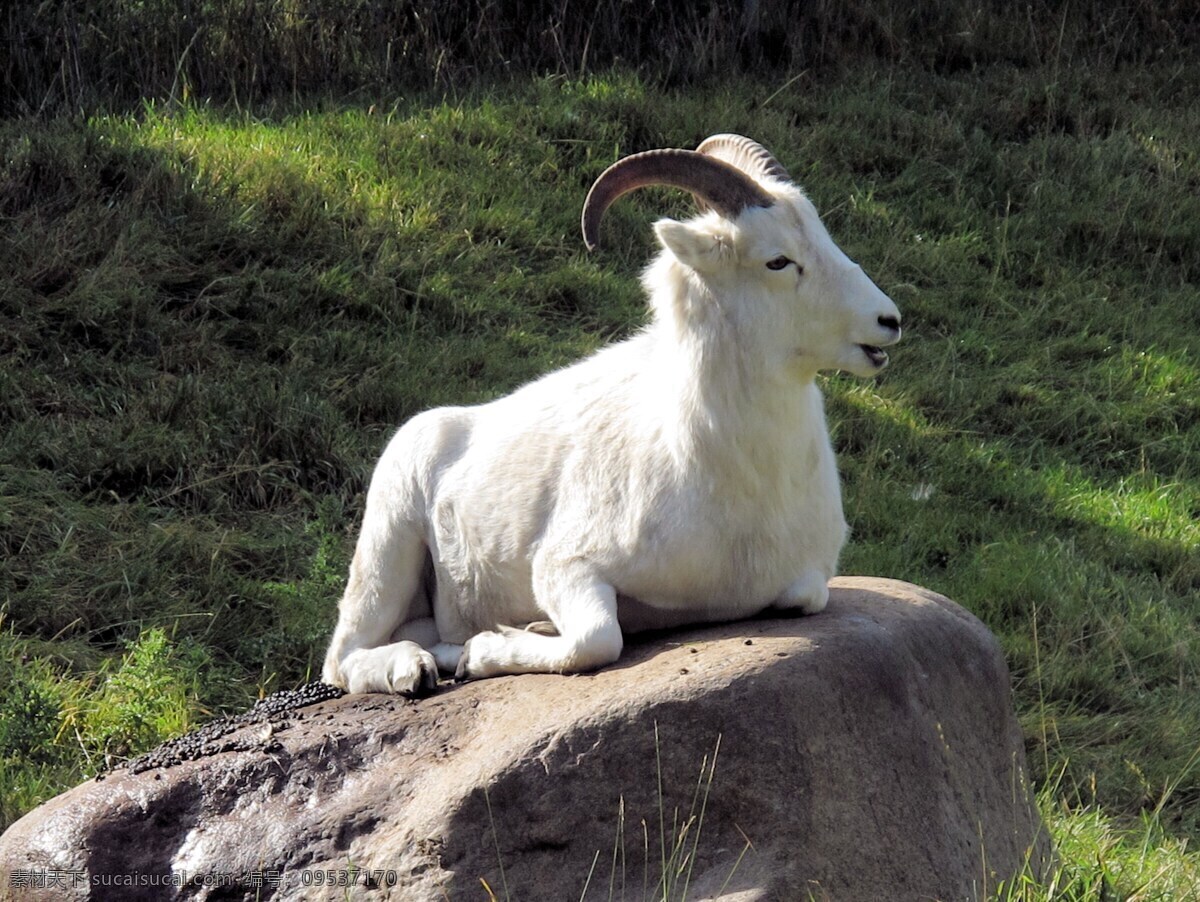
[(77, 54), (211, 320)]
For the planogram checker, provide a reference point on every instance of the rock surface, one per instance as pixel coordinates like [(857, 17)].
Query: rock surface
[(869, 752)]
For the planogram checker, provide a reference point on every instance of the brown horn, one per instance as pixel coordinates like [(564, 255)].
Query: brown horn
[(721, 185), (749, 156)]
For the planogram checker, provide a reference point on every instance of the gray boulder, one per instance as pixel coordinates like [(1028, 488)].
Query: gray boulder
[(869, 752)]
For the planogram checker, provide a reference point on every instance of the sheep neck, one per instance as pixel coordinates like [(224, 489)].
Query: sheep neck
[(731, 408)]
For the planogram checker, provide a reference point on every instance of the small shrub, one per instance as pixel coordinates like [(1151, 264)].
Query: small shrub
[(30, 716), (146, 700)]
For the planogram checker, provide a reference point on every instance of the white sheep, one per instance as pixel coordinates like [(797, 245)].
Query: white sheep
[(684, 475)]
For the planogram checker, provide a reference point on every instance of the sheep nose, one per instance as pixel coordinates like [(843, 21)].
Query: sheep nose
[(890, 322)]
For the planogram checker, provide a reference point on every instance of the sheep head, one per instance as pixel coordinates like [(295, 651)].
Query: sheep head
[(760, 252)]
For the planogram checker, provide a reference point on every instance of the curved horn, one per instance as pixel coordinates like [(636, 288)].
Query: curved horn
[(749, 156), (723, 186)]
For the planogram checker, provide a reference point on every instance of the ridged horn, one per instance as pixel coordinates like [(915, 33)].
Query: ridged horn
[(749, 156), (721, 185)]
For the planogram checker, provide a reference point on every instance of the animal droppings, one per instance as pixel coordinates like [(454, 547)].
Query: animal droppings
[(214, 737)]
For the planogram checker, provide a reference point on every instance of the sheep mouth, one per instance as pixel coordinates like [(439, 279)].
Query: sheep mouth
[(877, 356)]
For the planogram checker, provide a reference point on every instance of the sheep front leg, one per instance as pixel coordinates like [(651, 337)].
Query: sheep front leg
[(582, 608), (371, 651)]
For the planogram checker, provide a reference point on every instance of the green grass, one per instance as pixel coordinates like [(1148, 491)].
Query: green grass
[(80, 54), (212, 319)]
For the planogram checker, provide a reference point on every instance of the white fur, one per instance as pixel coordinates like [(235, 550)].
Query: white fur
[(684, 475)]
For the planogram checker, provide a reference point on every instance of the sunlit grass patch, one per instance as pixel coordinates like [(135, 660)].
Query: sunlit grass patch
[(1100, 858)]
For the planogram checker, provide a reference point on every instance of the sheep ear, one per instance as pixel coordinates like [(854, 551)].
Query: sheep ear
[(692, 245)]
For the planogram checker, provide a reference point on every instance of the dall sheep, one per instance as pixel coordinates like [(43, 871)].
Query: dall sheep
[(682, 476)]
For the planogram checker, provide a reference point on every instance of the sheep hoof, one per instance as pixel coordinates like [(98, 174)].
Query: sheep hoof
[(482, 655), (414, 678), (402, 668), (418, 685), (462, 672)]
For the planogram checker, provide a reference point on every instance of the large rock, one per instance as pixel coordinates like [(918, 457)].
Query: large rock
[(866, 753)]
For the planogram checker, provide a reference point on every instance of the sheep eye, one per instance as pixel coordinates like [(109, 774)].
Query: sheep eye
[(778, 263)]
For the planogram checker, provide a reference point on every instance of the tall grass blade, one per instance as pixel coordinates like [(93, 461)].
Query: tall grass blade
[(496, 842)]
